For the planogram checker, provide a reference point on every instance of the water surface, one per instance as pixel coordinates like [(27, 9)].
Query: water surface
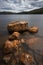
[(36, 20), (34, 42)]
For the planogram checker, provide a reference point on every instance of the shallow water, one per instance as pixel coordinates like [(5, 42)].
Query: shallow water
[(36, 20), (35, 42)]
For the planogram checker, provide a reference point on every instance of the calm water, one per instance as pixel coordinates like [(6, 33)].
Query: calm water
[(36, 20), (35, 42)]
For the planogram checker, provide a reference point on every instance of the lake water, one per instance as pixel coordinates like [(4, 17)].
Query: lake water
[(36, 20), (35, 41)]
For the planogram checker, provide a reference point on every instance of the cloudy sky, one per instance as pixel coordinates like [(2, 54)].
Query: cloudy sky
[(20, 5)]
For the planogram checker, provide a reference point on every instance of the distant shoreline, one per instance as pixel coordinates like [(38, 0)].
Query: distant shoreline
[(36, 11)]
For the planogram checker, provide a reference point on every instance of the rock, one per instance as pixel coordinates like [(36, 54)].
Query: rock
[(33, 29), (13, 62), (22, 40), (16, 43), (17, 26), (14, 36), (8, 46), (17, 34), (26, 33), (6, 58), (27, 59)]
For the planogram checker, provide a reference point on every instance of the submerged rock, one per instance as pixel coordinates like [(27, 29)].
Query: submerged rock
[(13, 62), (33, 29), (17, 44), (6, 58), (22, 40), (9, 46), (14, 36), (17, 26), (27, 59)]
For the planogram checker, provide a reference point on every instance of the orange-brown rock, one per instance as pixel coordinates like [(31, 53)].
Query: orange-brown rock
[(33, 29), (8, 46), (15, 43), (17, 34), (27, 59), (22, 58), (14, 36), (17, 26)]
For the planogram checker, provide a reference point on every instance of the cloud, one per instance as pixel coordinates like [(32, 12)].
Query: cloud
[(20, 5)]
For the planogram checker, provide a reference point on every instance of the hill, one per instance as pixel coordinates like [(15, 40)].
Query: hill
[(36, 11)]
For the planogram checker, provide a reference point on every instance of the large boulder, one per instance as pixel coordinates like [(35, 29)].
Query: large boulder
[(17, 26)]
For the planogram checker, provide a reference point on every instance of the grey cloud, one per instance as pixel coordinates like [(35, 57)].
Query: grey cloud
[(18, 5)]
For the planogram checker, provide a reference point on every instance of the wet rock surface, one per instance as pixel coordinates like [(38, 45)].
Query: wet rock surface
[(16, 50), (17, 26), (15, 35), (6, 58), (33, 29), (27, 59)]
